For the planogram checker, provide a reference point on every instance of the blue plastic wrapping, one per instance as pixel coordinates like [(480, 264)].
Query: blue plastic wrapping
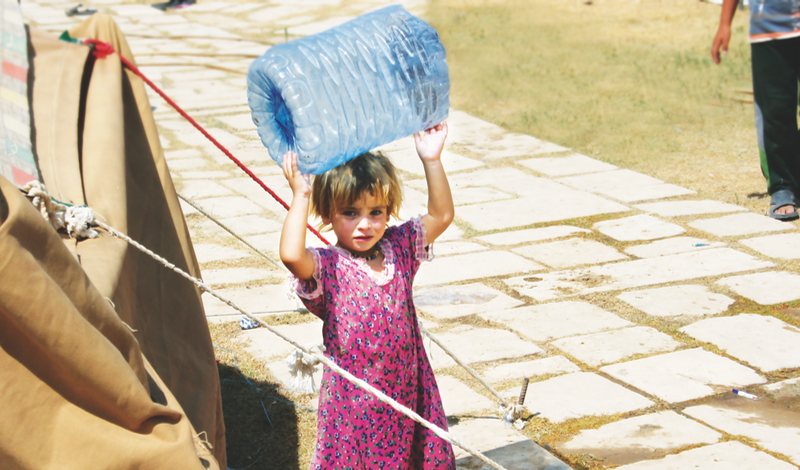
[(334, 95)]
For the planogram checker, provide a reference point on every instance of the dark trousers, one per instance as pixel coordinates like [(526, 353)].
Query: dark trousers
[(776, 72)]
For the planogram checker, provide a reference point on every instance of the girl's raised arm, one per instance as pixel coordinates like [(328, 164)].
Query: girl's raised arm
[(429, 145), (293, 235)]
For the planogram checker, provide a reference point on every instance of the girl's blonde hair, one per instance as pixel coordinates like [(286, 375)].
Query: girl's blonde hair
[(342, 186)]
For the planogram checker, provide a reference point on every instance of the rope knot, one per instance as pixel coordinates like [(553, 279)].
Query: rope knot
[(78, 222), (100, 49), (302, 367)]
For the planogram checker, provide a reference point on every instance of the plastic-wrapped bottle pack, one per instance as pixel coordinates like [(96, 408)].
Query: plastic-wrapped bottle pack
[(334, 95)]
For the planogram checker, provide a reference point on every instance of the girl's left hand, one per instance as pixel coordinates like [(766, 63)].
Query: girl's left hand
[(430, 142)]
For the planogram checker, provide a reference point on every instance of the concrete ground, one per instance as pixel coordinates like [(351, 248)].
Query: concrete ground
[(633, 307)]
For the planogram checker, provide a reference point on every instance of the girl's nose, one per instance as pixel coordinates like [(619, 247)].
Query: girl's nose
[(363, 223)]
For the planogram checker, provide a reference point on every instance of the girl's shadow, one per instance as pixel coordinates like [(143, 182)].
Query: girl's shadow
[(260, 423)]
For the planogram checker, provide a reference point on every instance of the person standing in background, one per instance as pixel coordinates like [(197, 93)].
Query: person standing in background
[(775, 59)]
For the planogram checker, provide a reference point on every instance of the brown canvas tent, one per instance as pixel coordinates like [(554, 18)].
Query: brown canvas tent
[(105, 356)]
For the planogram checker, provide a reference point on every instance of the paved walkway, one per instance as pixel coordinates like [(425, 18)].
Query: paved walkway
[(632, 306)]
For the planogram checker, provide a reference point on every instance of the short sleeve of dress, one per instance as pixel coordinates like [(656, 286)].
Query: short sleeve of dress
[(312, 291), (408, 243)]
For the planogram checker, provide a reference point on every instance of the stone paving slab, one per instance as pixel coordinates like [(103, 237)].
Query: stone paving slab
[(785, 387), (684, 375), (554, 202), (238, 122), (612, 346), (781, 246), (759, 340), (458, 248), (208, 252), (457, 301), (514, 146), (251, 224), (518, 370), (403, 155), (229, 206), (228, 276), (501, 444), (690, 300), (739, 224), (637, 273), (773, 428), (269, 347), (267, 299), (531, 235), (460, 399), (473, 266), (209, 174), (625, 185), (256, 194), (768, 288), (567, 165), (642, 437), (556, 320), (570, 252), (722, 456), (471, 195), (188, 164), (473, 344), (638, 227), (692, 207), (581, 394), (671, 246)]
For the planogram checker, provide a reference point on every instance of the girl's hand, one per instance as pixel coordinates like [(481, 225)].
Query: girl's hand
[(300, 183), (430, 142)]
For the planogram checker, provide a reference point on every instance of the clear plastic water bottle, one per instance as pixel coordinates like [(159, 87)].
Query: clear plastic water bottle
[(334, 95)]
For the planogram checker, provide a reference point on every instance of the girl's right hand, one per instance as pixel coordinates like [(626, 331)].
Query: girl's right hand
[(300, 183)]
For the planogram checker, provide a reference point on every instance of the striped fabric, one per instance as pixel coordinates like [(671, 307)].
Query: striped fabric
[(16, 159), (774, 19)]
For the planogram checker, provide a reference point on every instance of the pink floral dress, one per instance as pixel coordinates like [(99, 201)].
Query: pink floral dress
[(370, 329)]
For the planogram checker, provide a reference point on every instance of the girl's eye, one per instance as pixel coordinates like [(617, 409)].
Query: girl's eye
[(349, 213), (377, 212)]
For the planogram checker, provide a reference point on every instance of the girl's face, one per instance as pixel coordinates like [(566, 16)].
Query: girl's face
[(360, 226)]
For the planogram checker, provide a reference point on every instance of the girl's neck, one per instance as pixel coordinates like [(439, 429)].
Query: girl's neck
[(369, 255)]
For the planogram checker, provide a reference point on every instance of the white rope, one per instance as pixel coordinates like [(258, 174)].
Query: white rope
[(322, 358), (45, 201)]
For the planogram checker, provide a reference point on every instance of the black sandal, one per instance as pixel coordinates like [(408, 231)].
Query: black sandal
[(781, 198)]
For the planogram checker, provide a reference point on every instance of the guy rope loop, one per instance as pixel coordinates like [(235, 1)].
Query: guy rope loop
[(46, 201)]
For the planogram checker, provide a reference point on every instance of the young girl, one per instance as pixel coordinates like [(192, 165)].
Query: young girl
[(361, 289)]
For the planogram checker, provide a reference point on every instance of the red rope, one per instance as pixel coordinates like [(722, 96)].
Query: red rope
[(102, 49)]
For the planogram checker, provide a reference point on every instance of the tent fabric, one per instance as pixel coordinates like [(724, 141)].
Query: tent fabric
[(105, 392), (77, 392)]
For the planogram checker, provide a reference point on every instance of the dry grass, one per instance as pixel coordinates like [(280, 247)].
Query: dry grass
[(629, 82)]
